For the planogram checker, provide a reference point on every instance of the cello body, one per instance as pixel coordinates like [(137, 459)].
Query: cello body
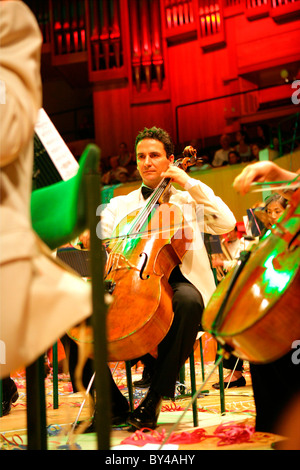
[(141, 254), (137, 269), (261, 317)]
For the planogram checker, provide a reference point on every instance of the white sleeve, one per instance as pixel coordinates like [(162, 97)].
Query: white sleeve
[(218, 218)]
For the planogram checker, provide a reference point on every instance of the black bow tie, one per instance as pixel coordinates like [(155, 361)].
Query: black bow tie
[(146, 192)]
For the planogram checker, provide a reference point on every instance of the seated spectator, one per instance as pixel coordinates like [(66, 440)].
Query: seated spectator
[(255, 149), (126, 159), (234, 157), (274, 147), (117, 174), (202, 164), (261, 136), (242, 147), (221, 155)]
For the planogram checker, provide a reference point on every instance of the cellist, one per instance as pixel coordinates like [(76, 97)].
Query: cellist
[(192, 282), (276, 385)]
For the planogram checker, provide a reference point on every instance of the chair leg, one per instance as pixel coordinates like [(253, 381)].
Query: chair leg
[(55, 376), (193, 385), (202, 359), (36, 406), (1, 399), (181, 387), (221, 381), (129, 384), (193, 388)]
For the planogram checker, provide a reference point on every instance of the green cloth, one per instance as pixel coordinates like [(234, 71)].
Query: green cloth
[(59, 211)]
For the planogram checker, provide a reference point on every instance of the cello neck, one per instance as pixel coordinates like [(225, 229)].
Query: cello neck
[(153, 201), (161, 188)]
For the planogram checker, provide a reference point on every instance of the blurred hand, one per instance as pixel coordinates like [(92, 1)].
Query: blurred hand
[(260, 171)]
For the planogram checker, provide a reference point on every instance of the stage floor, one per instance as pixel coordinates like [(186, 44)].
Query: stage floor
[(233, 430)]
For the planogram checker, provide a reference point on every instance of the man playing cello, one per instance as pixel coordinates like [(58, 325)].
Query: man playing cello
[(192, 281)]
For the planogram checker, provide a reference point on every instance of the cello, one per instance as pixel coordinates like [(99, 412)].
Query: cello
[(141, 254), (254, 313)]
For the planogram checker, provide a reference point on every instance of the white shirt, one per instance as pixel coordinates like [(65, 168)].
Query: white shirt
[(204, 211), (220, 157)]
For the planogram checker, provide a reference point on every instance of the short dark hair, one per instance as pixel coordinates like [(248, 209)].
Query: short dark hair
[(158, 134), (235, 153)]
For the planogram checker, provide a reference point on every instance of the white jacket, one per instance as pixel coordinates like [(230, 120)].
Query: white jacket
[(204, 210)]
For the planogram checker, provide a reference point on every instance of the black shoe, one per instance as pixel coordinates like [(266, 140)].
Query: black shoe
[(10, 395), (241, 382), (116, 420), (146, 414), (145, 381), (120, 419)]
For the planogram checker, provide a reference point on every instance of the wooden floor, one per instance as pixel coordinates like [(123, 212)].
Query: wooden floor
[(238, 420)]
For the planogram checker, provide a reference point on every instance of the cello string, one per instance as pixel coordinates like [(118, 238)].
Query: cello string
[(144, 232), (146, 211), (158, 192), (193, 399), (143, 215)]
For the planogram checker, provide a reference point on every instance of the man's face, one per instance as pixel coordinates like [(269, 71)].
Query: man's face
[(151, 161)]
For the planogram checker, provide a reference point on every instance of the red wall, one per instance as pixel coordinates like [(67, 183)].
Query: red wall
[(251, 48)]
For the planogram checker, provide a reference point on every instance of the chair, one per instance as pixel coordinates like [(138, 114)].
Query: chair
[(61, 212), (193, 376)]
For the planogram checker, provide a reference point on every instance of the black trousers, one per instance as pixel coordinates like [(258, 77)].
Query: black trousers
[(275, 385), (174, 349), (178, 344), (230, 363), (118, 401)]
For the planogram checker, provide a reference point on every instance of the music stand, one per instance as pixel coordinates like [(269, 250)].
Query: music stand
[(212, 244), (77, 259), (256, 226)]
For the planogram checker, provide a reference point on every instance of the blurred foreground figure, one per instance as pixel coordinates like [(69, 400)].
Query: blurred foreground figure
[(40, 301)]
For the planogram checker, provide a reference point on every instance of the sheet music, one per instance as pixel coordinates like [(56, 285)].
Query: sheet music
[(58, 151)]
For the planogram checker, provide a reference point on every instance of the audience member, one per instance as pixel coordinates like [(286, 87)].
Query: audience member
[(242, 147), (234, 157), (221, 155), (261, 135), (274, 147), (117, 173), (255, 149), (126, 158)]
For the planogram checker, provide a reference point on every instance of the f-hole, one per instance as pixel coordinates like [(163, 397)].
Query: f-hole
[(143, 267)]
